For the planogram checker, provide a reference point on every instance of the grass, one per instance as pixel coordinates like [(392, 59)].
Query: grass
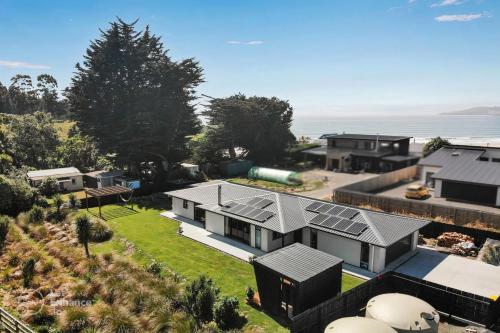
[(63, 127), (156, 237), (268, 185), (80, 195)]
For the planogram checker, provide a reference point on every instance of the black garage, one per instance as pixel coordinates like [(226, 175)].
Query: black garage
[(469, 192), (397, 249)]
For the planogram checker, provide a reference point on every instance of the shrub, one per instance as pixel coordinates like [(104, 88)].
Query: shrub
[(28, 272), (201, 295), (154, 268), (99, 232), (4, 230), (83, 227), (250, 294), (41, 202), (15, 196), (36, 215), (434, 145), (75, 320), (73, 201), (226, 312), (48, 186), (42, 316)]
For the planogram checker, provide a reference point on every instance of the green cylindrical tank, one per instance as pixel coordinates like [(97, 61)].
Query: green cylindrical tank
[(275, 175)]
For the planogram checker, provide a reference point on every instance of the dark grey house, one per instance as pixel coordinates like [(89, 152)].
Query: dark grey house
[(464, 173), (271, 220), (372, 153), (295, 278)]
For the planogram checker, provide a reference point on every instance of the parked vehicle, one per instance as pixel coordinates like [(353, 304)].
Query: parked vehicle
[(417, 192)]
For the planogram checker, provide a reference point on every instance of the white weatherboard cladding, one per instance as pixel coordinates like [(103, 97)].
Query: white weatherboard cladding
[(178, 208), (344, 248), (214, 223), (378, 254), (498, 196), (437, 188)]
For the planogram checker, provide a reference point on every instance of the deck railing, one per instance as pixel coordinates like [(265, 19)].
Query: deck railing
[(10, 324)]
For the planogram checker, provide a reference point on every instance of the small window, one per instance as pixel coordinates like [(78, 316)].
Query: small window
[(332, 143), (73, 181), (276, 235), (385, 144), (497, 160), (396, 145), (185, 204), (484, 159)]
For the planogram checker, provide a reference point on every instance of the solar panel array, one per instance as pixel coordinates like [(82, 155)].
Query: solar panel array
[(336, 217), (260, 203), (250, 212)]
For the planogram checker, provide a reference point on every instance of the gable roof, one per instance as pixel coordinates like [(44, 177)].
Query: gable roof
[(462, 164), (290, 214), (298, 262), (365, 137), (65, 172)]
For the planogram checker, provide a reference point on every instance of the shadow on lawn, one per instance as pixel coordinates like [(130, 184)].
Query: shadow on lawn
[(114, 213)]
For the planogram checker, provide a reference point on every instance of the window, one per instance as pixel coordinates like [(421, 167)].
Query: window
[(332, 143), (314, 238), (73, 181), (497, 160), (185, 204), (384, 144), (276, 235), (396, 145), (484, 159)]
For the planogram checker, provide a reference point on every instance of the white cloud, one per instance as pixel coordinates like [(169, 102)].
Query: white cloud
[(20, 64), (459, 18), (251, 42), (444, 3)]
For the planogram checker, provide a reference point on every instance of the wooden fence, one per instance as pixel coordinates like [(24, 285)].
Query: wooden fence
[(458, 215), (450, 301), (10, 324)]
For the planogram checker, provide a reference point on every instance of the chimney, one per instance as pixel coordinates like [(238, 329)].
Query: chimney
[(219, 195)]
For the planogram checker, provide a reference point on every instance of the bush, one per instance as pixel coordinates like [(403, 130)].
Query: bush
[(75, 320), (48, 186), (434, 145), (36, 215), (154, 268), (41, 202), (201, 295), (15, 196), (99, 232), (226, 312), (73, 201), (250, 294), (28, 272), (4, 230)]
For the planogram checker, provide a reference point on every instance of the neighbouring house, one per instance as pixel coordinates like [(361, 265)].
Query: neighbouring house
[(192, 169), (271, 220), (101, 178), (295, 278), (68, 179), (371, 153), (464, 173)]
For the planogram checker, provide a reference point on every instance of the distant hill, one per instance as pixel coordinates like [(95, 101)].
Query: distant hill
[(477, 111)]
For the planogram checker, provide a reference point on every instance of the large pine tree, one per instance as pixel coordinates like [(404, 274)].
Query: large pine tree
[(133, 99)]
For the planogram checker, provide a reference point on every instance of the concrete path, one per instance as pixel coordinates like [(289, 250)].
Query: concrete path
[(195, 231), (453, 271)]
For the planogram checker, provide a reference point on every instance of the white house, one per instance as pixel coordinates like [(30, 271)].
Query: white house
[(69, 179), (269, 220)]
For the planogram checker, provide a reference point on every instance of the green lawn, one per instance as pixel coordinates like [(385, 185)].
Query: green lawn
[(155, 237)]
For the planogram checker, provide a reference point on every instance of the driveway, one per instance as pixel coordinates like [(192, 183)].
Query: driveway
[(335, 180), (453, 271), (398, 191)]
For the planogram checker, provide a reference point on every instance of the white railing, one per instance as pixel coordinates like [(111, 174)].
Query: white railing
[(12, 325)]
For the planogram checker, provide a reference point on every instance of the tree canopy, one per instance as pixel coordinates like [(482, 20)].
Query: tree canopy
[(133, 99), (434, 145), (260, 126)]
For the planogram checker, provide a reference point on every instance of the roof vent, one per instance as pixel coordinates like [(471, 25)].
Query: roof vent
[(455, 153)]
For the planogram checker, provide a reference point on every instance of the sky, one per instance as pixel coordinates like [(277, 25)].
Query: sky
[(327, 57)]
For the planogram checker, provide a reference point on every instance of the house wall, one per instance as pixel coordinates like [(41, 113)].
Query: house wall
[(78, 185), (268, 244), (425, 169), (178, 209), (306, 236), (377, 259), (438, 185), (498, 196), (344, 248), (414, 241), (214, 223)]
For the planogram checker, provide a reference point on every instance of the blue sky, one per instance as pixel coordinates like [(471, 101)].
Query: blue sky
[(326, 57)]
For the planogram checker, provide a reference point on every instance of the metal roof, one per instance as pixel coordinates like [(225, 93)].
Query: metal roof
[(298, 262), (365, 137), (290, 213), (104, 173), (64, 172), (400, 158), (463, 165), (318, 151)]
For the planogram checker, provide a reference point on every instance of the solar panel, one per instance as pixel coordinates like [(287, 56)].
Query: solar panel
[(245, 211), (228, 206), (263, 203), (342, 225), (264, 216), (324, 208), (237, 209), (254, 201), (336, 210), (314, 206), (253, 213), (349, 213), (330, 221), (318, 219), (356, 228)]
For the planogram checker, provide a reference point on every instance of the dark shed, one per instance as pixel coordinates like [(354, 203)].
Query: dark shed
[(295, 278)]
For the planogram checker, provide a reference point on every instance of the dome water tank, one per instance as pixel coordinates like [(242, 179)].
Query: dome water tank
[(358, 325), (404, 313)]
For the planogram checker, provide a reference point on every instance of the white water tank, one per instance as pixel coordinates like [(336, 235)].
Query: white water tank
[(404, 313), (358, 325)]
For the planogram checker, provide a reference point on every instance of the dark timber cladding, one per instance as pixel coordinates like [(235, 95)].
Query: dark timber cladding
[(106, 192), (292, 279)]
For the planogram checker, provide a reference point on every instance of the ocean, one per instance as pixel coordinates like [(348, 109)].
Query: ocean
[(470, 130)]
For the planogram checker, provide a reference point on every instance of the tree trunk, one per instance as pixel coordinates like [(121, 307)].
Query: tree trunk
[(86, 246)]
